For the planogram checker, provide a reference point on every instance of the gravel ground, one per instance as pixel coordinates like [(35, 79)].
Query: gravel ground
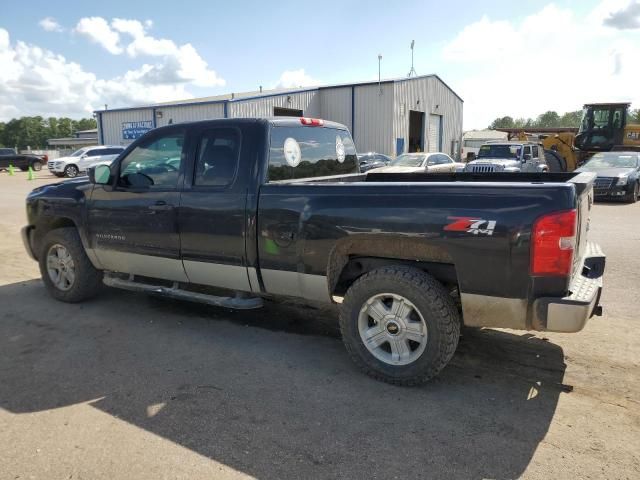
[(129, 386)]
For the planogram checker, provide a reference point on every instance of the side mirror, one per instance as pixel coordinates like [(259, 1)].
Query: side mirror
[(526, 157), (100, 174)]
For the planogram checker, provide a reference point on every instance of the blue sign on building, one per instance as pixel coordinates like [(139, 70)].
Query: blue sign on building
[(133, 130)]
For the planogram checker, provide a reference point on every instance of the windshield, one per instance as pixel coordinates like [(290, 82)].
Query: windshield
[(409, 160), (500, 151), (78, 153), (611, 160)]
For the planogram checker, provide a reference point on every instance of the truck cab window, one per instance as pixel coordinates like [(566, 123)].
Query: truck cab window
[(154, 164), (317, 153), (217, 157)]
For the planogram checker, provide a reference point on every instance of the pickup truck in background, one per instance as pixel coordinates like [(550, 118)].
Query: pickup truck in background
[(8, 156), (231, 211)]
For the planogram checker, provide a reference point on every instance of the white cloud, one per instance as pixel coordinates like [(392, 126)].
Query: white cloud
[(97, 30), (178, 63), (36, 81), (295, 79), (49, 24), (551, 60)]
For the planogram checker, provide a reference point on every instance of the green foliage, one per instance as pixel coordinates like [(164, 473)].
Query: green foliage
[(35, 131), (634, 116), (548, 119)]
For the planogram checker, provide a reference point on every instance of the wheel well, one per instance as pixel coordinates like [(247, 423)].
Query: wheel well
[(356, 266), (45, 227)]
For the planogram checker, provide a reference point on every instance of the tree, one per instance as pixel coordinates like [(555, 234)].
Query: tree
[(548, 119), (85, 124), (504, 122), (571, 119), (634, 116), (35, 131)]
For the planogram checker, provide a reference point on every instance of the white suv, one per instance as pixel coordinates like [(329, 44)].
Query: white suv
[(81, 160)]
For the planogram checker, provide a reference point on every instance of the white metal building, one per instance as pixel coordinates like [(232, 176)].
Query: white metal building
[(390, 117)]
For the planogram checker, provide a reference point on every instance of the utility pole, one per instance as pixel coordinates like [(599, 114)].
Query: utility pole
[(379, 78), (412, 72)]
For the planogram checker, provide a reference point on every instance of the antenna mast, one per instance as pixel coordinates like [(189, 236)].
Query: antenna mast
[(412, 72)]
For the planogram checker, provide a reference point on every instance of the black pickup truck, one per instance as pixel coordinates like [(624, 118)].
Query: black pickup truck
[(8, 156), (228, 212)]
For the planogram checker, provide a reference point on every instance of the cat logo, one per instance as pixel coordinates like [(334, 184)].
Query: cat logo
[(475, 226), (633, 135)]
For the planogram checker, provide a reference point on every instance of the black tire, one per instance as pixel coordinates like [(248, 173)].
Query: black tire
[(633, 196), (554, 161), (24, 169), (88, 280), (71, 171), (36, 166), (429, 298)]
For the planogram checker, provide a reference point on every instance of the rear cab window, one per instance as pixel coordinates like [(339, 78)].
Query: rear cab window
[(309, 152)]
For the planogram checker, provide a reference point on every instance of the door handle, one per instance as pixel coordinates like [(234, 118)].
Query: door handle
[(160, 206)]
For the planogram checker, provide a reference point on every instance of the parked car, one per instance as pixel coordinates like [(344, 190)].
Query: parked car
[(276, 207), (372, 160), (8, 156), (80, 160), (419, 162), (508, 157), (618, 175)]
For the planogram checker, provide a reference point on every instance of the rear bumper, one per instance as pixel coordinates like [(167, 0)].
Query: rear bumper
[(570, 313), (26, 239)]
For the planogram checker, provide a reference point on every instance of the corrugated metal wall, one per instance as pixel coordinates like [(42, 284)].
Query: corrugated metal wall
[(335, 105), (373, 129), (431, 96), (379, 119), (308, 102), (112, 124), (188, 113)]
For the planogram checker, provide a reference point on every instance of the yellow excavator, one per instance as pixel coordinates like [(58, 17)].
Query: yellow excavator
[(604, 127)]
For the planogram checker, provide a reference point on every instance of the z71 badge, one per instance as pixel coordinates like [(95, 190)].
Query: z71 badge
[(476, 226)]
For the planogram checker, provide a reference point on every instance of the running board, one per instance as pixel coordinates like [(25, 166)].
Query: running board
[(239, 302)]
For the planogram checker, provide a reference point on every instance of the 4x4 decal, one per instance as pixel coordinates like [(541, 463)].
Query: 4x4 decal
[(476, 226)]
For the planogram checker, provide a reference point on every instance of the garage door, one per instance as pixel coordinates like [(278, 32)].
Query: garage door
[(434, 133)]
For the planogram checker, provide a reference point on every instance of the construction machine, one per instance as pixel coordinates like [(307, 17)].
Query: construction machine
[(604, 127)]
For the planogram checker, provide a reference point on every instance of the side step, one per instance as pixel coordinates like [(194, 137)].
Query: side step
[(239, 302)]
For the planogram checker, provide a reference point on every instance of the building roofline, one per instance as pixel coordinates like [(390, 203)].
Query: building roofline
[(275, 93)]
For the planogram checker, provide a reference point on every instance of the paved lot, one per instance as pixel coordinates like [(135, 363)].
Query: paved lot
[(128, 386)]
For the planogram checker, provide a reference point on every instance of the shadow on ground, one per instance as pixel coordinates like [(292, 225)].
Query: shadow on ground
[(274, 404)]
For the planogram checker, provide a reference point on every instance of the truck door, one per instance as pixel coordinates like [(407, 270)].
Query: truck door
[(211, 219), (133, 222)]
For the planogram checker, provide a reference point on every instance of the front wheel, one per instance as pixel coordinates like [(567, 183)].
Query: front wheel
[(71, 171), (65, 268), (399, 325), (632, 197)]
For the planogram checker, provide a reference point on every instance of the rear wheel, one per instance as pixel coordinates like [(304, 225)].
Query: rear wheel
[(37, 166), (71, 171), (65, 268), (399, 325), (554, 161)]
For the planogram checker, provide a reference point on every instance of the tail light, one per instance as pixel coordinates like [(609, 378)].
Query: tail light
[(312, 122), (553, 242)]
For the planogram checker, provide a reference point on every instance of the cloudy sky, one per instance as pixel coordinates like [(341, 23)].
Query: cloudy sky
[(502, 57)]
